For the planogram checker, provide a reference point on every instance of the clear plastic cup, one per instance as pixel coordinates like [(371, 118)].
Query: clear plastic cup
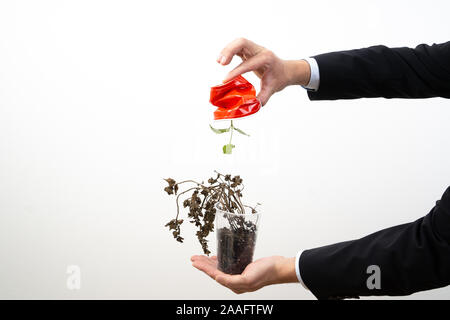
[(236, 238)]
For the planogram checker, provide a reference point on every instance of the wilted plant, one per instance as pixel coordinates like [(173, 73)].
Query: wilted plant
[(201, 200)]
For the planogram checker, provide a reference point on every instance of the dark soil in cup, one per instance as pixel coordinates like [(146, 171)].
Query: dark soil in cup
[(235, 249)]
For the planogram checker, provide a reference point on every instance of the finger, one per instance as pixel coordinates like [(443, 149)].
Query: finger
[(235, 47), (208, 266), (252, 64), (203, 260), (233, 282), (264, 94), (195, 257)]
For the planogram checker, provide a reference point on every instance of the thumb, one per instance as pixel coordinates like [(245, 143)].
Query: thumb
[(264, 94)]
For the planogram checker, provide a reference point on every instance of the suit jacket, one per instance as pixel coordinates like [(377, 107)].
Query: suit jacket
[(378, 71), (411, 257)]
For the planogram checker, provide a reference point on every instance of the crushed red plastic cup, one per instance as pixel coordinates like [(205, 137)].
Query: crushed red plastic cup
[(234, 99)]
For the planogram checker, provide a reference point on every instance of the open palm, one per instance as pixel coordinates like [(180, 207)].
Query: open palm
[(260, 273)]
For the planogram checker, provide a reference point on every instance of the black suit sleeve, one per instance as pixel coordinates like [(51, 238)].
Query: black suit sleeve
[(412, 257), (379, 71)]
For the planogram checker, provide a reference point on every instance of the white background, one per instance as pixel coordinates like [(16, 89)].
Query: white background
[(101, 100)]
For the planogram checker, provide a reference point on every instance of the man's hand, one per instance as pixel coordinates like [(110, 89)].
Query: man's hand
[(275, 73), (258, 274)]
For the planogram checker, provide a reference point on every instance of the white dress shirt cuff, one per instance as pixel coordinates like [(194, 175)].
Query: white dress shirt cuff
[(314, 79), (297, 269)]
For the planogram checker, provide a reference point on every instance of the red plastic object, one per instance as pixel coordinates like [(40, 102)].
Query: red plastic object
[(235, 99)]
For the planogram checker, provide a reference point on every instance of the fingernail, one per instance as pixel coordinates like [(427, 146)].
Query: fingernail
[(223, 60)]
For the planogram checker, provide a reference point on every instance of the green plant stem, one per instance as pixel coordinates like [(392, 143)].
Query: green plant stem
[(231, 130)]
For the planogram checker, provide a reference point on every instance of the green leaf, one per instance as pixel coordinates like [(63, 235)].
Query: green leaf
[(219, 131), (228, 148), (241, 132)]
